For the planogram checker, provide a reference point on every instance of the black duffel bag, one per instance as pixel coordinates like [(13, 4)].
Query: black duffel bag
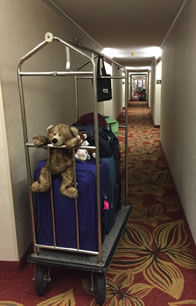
[(108, 142), (104, 88)]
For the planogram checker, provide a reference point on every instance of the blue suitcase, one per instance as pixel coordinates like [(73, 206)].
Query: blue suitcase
[(110, 185), (64, 209), (110, 191)]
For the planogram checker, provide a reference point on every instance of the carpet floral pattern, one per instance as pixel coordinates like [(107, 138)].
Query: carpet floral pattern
[(155, 262)]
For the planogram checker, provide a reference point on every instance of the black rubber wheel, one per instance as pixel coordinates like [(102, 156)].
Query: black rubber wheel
[(41, 279), (99, 287)]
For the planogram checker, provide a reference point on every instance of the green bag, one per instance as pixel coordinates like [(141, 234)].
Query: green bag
[(112, 124)]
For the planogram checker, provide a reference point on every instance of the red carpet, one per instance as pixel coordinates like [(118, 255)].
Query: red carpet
[(155, 263)]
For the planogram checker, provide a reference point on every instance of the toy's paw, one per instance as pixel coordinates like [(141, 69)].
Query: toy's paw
[(73, 143), (37, 187), (39, 141), (69, 192)]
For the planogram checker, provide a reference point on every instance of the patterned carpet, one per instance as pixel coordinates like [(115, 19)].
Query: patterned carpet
[(155, 263)]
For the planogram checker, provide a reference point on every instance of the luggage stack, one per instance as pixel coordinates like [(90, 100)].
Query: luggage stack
[(64, 210), (64, 207)]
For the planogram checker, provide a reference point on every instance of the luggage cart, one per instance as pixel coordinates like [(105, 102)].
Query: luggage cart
[(44, 256)]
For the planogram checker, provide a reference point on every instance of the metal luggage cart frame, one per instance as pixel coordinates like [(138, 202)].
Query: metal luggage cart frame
[(46, 256)]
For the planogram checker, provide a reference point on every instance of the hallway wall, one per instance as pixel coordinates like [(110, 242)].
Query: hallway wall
[(6, 203), (149, 88), (178, 109), (117, 92), (158, 94), (156, 74), (152, 91), (22, 26)]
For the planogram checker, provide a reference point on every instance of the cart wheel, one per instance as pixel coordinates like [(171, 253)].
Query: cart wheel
[(41, 279), (99, 287)]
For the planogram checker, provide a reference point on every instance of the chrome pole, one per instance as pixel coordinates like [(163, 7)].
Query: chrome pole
[(52, 198), (76, 98), (68, 62), (27, 157), (96, 127), (32, 219), (126, 137), (49, 247), (56, 73), (72, 47), (32, 52), (116, 77), (85, 64), (76, 202), (24, 125)]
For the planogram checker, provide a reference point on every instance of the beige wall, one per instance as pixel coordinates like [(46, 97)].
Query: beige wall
[(22, 26), (116, 107), (178, 109), (155, 97), (113, 107), (7, 224), (152, 91), (157, 106), (149, 88)]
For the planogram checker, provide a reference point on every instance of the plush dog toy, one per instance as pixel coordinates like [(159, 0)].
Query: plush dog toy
[(84, 154), (61, 161)]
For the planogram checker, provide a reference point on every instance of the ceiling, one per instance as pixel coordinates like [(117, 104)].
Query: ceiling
[(128, 26)]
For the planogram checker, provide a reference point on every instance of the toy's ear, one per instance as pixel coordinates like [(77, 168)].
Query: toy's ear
[(50, 127), (74, 131)]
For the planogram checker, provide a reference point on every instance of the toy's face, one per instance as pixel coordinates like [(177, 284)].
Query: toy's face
[(59, 134), (82, 154)]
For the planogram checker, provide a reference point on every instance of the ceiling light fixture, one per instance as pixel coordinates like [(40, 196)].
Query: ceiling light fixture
[(136, 53), (110, 52), (154, 51), (138, 68)]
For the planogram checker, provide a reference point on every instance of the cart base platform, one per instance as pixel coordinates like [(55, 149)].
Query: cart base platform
[(86, 262)]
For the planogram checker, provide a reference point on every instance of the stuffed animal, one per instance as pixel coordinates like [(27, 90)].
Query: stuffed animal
[(61, 160), (84, 154)]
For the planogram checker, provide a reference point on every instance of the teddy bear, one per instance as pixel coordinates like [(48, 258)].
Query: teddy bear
[(84, 154), (61, 160)]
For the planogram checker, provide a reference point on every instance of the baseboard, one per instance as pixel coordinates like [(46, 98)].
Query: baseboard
[(16, 266)]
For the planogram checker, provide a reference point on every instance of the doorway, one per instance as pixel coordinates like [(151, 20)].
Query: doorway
[(139, 87)]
